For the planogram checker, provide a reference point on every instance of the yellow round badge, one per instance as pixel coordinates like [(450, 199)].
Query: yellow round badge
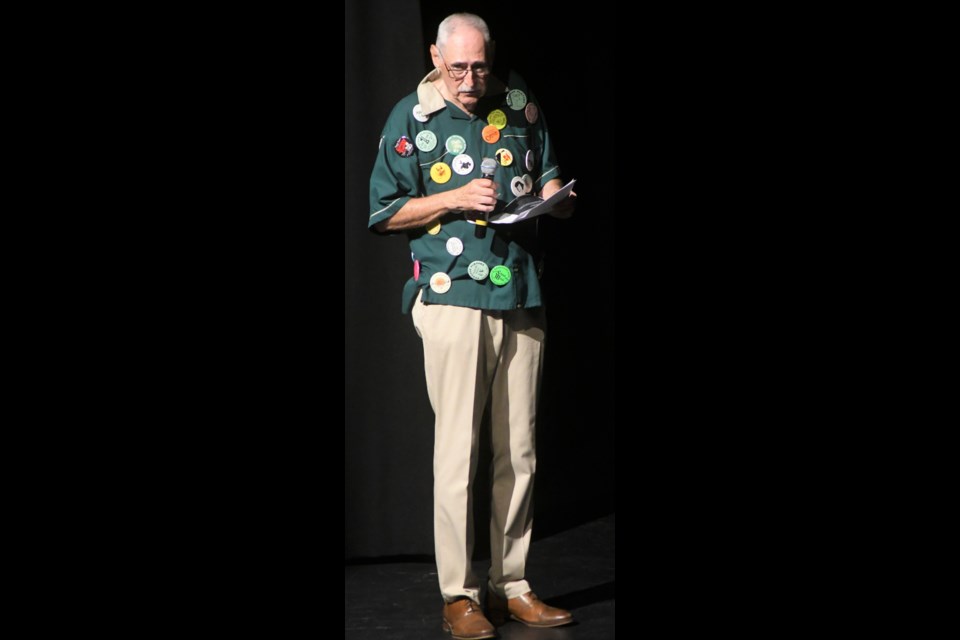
[(497, 118), (440, 172)]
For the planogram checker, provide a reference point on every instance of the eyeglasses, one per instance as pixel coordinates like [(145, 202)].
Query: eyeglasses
[(480, 70)]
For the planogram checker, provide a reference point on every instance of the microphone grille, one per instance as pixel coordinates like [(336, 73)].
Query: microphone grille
[(488, 165)]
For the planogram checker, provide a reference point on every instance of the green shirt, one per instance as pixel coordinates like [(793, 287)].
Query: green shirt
[(403, 171)]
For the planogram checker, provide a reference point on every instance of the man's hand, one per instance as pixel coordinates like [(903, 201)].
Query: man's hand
[(563, 209), (480, 194)]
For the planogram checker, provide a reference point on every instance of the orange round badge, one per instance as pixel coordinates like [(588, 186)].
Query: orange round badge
[(490, 133)]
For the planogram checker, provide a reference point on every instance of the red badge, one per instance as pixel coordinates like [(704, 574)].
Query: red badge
[(404, 147)]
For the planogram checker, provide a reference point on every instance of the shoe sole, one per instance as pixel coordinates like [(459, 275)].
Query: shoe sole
[(541, 625), (449, 629)]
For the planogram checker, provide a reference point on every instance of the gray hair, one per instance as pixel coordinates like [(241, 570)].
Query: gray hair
[(451, 22)]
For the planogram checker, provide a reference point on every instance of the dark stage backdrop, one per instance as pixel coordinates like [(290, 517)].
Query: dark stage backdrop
[(568, 62)]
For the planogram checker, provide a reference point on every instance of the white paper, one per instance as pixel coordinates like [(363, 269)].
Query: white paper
[(526, 206)]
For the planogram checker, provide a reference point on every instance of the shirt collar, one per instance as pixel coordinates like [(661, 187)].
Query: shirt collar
[(432, 100)]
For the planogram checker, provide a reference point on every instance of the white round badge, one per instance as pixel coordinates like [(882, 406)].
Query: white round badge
[(440, 282), (462, 164), (454, 246), (527, 183), (517, 186)]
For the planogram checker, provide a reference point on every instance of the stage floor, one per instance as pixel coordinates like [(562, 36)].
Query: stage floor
[(573, 569)]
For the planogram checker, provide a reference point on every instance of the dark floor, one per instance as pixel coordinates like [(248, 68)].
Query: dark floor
[(573, 569)]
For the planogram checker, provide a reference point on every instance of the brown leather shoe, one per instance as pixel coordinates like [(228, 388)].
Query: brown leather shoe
[(464, 620), (528, 609)]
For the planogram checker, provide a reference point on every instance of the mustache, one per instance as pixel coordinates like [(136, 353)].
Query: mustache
[(465, 89)]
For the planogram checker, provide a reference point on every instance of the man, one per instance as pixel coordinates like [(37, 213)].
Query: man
[(476, 304)]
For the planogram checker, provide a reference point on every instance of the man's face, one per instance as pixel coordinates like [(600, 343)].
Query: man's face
[(463, 50)]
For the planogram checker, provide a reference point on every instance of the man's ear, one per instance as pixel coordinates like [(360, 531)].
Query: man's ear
[(435, 55)]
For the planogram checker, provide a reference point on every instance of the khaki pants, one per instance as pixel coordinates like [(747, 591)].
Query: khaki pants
[(469, 356)]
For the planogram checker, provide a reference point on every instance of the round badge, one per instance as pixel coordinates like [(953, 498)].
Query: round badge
[(440, 172), (517, 186), (490, 133), (440, 282), (403, 146), (504, 157), (426, 140), (527, 183), (434, 228), (530, 159), (531, 112), (497, 118), (456, 145), (500, 275), (462, 164), (416, 269), (478, 270), (418, 113), (454, 246), (516, 99)]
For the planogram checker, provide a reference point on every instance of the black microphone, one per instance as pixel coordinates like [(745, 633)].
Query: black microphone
[(487, 168)]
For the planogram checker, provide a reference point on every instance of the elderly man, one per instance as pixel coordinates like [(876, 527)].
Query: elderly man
[(476, 304)]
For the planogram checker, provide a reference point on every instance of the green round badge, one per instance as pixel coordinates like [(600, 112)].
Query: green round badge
[(478, 270), (516, 99), (456, 145), (500, 275), (426, 140)]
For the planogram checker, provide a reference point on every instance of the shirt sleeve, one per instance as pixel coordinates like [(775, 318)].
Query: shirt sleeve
[(395, 177)]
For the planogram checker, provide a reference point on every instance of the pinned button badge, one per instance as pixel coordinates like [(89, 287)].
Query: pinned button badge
[(418, 113), (497, 118), (440, 172), (416, 269), (462, 164), (454, 246), (530, 159), (527, 183), (500, 275), (403, 146), (478, 270), (516, 99), (504, 157), (426, 140), (517, 186), (434, 228), (490, 133), (456, 145), (440, 282), (532, 113)]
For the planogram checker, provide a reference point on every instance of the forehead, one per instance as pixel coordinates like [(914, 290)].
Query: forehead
[(465, 45)]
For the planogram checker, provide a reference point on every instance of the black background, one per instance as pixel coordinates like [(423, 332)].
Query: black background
[(194, 343)]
